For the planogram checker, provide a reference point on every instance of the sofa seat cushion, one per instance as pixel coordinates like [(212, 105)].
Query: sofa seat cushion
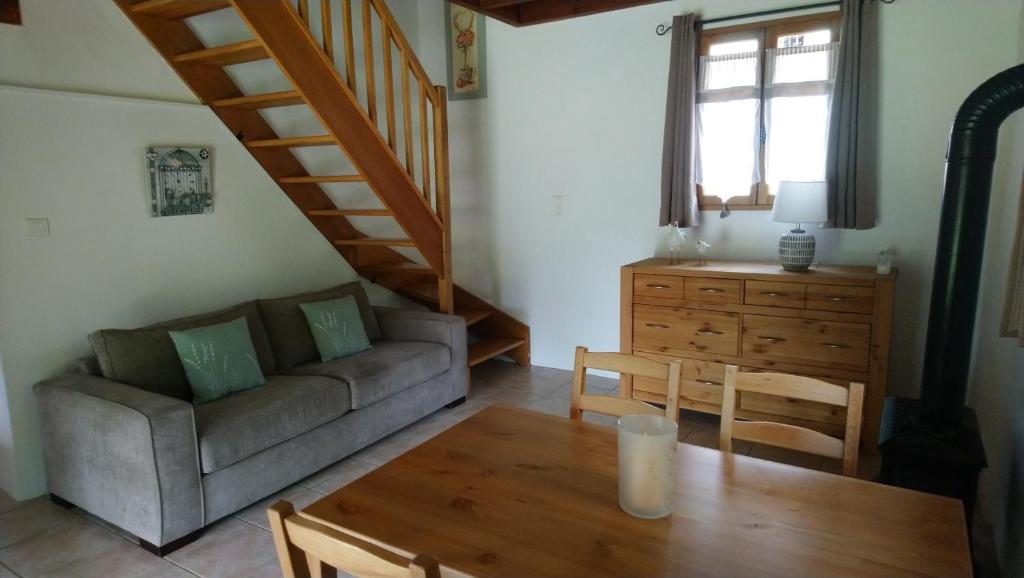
[(240, 425), (388, 368)]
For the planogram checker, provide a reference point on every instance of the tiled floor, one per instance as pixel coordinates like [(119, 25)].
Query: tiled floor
[(40, 539)]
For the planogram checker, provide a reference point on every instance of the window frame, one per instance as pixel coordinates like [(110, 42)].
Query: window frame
[(767, 32)]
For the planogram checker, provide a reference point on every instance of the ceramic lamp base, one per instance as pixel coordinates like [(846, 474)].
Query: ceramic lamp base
[(796, 250)]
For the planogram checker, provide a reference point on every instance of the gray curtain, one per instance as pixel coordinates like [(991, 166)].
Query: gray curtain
[(850, 165), (678, 167)]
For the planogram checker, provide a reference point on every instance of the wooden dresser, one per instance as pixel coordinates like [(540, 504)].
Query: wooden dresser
[(832, 323)]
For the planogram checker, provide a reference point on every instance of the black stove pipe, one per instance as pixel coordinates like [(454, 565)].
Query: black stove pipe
[(969, 165)]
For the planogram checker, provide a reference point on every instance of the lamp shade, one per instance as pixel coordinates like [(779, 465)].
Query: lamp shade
[(801, 202)]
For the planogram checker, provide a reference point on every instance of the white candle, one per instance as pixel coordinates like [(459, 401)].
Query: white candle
[(647, 448)]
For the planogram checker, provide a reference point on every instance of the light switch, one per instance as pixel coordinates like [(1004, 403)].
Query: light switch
[(38, 227), (558, 204)]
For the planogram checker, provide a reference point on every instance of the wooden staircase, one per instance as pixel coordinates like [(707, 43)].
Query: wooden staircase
[(396, 140)]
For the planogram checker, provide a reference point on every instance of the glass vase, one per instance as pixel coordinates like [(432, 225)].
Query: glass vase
[(647, 450)]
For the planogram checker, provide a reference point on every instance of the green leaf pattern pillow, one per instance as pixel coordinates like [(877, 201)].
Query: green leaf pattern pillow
[(337, 327), (219, 359)]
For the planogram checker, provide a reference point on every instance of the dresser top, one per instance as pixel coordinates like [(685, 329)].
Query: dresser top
[(760, 269)]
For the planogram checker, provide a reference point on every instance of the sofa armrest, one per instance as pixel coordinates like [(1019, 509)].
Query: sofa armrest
[(124, 454), (448, 330)]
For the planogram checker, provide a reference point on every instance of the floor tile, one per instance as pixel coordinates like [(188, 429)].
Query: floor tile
[(231, 548), (339, 475), (552, 405), (7, 503), (6, 573), (77, 542), (299, 496), (123, 559), (31, 518)]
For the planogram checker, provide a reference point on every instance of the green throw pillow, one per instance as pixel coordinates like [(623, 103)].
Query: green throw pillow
[(219, 359), (337, 327)]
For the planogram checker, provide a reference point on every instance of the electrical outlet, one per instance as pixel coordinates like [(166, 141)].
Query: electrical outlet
[(38, 227)]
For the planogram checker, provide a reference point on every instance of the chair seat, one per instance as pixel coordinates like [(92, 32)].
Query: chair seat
[(243, 424), (388, 368)]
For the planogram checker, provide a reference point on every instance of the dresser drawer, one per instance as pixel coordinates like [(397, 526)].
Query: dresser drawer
[(702, 381), (774, 294), (676, 329), (824, 343), (667, 286), (713, 290), (847, 299)]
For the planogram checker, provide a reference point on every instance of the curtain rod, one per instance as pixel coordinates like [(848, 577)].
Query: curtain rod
[(663, 29)]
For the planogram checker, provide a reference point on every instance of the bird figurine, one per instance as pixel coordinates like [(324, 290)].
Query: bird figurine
[(702, 252)]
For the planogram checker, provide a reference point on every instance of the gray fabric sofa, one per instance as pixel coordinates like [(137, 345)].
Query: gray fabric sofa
[(124, 442)]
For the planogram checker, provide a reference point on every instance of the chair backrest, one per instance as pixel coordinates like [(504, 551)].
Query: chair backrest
[(621, 363), (306, 548), (791, 436)]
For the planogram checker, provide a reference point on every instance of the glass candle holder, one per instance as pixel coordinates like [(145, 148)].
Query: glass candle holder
[(647, 451)]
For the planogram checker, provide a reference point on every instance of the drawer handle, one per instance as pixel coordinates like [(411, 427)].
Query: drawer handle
[(655, 286), (838, 298), (770, 339), (658, 325), (773, 294), (709, 332), (711, 290), (836, 345), (707, 382)]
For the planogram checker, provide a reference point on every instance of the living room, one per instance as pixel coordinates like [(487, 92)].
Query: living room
[(545, 184)]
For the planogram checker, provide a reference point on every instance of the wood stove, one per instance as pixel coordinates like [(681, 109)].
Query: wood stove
[(933, 444)]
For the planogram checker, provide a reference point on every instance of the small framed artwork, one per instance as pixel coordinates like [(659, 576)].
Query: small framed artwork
[(179, 181), (467, 52)]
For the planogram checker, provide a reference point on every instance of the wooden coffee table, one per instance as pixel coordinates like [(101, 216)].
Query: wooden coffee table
[(511, 492)]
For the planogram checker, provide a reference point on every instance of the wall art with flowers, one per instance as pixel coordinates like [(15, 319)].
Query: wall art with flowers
[(467, 56)]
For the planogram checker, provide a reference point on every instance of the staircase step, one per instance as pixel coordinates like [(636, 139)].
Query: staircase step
[(295, 141), (260, 101), (376, 242), (491, 347), (178, 9), (237, 53), (349, 213), (323, 179), (398, 267), (473, 315), (421, 291)]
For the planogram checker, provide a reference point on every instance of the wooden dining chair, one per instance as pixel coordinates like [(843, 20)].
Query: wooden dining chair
[(791, 436), (623, 363), (308, 549)]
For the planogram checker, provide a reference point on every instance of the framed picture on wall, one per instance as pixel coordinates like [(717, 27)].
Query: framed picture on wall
[(179, 181), (466, 48)]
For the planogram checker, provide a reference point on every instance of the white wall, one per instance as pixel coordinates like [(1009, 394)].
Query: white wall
[(77, 160), (576, 108)]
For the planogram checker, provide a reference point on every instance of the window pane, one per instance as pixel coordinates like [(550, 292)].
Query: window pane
[(802, 64), (810, 38), (733, 47), (729, 71), (797, 137), (727, 147)]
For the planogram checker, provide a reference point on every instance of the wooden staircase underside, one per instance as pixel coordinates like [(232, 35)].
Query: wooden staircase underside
[(527, 12), (162, 22)]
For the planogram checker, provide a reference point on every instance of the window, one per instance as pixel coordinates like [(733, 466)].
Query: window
[(763, 94)]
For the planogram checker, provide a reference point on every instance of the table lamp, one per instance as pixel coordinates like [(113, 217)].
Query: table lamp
[(799, 202)]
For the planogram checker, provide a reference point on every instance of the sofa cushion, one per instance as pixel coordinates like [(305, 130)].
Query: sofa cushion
[(147, 359), (240, 425), (219, 359), (336, 326), (288, 329), (388, 368)]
